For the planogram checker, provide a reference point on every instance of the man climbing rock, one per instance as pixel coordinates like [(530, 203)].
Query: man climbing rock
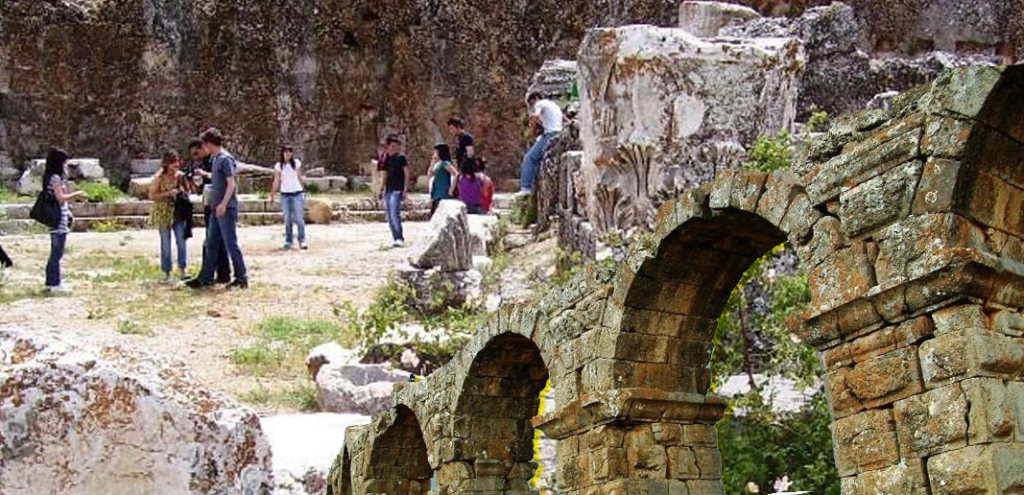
[(548, 115)]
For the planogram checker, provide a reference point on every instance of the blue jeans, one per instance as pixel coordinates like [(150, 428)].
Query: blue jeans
[(179, 242), (57, 243), (293, 205), (393, 203), (532, 161), (223, 231)]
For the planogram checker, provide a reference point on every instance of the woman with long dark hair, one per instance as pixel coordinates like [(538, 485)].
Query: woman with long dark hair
[(290, 179), (54, 182), (471, 188), (167, 185), (442, 176)]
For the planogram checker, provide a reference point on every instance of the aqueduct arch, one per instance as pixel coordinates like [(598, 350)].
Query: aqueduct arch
[(911, 224)]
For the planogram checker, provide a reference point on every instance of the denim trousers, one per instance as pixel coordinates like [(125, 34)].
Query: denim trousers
[(178, 229), (532, 161), (393, 203), (223, 266), (293, 205), (223, 231), (57, 243)]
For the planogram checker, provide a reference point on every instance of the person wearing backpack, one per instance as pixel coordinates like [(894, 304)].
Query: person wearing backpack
[(54, 184)]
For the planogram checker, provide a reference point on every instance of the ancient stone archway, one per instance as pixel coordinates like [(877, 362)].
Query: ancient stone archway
[(387, 457), (911, 224)]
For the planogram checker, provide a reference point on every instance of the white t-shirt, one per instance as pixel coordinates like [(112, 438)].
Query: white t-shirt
[(290, 177), (550, 115)]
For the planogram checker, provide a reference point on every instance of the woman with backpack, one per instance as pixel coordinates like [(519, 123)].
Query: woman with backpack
[(168, 185), (54, 184), (290, 180)]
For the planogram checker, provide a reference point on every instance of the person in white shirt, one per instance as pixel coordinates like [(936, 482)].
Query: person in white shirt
[(548, 114), (289, 179)]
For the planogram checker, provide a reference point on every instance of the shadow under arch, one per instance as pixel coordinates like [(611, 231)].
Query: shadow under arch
[(398, 462), (492, 423)]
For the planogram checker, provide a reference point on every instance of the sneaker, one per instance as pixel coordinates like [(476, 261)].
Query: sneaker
[(303, 246), (181, 274), (223, 281), (59, 290), (287, 247), (238, 284), (398, 244)]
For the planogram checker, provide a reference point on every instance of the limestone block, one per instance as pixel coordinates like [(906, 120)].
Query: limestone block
[(906, 478), (138, 188), (82, 420), (995, 469), (145, 167), (842, 277), (960, 317), (919, 245), (318, 211), (969, 353), (645, 137), (932, 422), (879, 201), (555, 79), (865, 442), (706, 19), (938, 182), (996, 410), (359, 388), (447, 245)]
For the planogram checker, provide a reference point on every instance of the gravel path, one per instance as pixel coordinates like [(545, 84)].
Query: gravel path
[(344, 263)]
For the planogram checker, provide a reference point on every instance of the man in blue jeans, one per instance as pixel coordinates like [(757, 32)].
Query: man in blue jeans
[(396, 187), (546, 113), (222, 228)]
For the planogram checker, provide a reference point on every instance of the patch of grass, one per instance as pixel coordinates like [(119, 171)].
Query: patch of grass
[(108, 225), (120, 269), (302, 398), (12, 293), (282, 344), (102, 193), (127, 326), (8, 196)]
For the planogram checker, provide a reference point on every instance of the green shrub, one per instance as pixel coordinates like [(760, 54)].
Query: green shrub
[(387, 312), (107, 226), (770, 153), (302, 398), (101, 193), (282, 343)]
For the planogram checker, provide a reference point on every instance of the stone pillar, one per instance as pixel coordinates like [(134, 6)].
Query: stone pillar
[(636, 441)]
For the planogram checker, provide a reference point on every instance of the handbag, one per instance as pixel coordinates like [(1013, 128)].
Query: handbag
[(46, 210)]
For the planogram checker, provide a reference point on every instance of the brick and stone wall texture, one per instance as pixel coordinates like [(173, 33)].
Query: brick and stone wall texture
[(911, 224)]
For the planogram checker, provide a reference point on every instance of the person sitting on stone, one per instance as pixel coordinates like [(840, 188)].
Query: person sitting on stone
[(442, 176), (471, 189), (548, 115)]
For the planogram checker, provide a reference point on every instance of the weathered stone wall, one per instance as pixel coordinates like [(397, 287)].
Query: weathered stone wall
[(965, 27), (118, 79), (909, 224)]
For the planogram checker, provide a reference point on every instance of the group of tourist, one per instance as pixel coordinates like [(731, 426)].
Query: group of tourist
[(464, 178), (214, 170)]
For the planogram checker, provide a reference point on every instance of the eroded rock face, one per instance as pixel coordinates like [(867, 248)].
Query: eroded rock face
[(706, 19), (330, 77), (662, 110), (115, 421)]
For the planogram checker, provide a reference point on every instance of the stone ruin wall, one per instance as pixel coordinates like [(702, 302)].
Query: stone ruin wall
[(909, 222), (119, 79), (705, 100)]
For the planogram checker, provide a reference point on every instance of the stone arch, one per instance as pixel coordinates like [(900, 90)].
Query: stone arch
[(910, 223), (397, 456), (493, 429)]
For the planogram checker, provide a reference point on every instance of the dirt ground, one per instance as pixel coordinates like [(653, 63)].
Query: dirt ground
[(117, 298)]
